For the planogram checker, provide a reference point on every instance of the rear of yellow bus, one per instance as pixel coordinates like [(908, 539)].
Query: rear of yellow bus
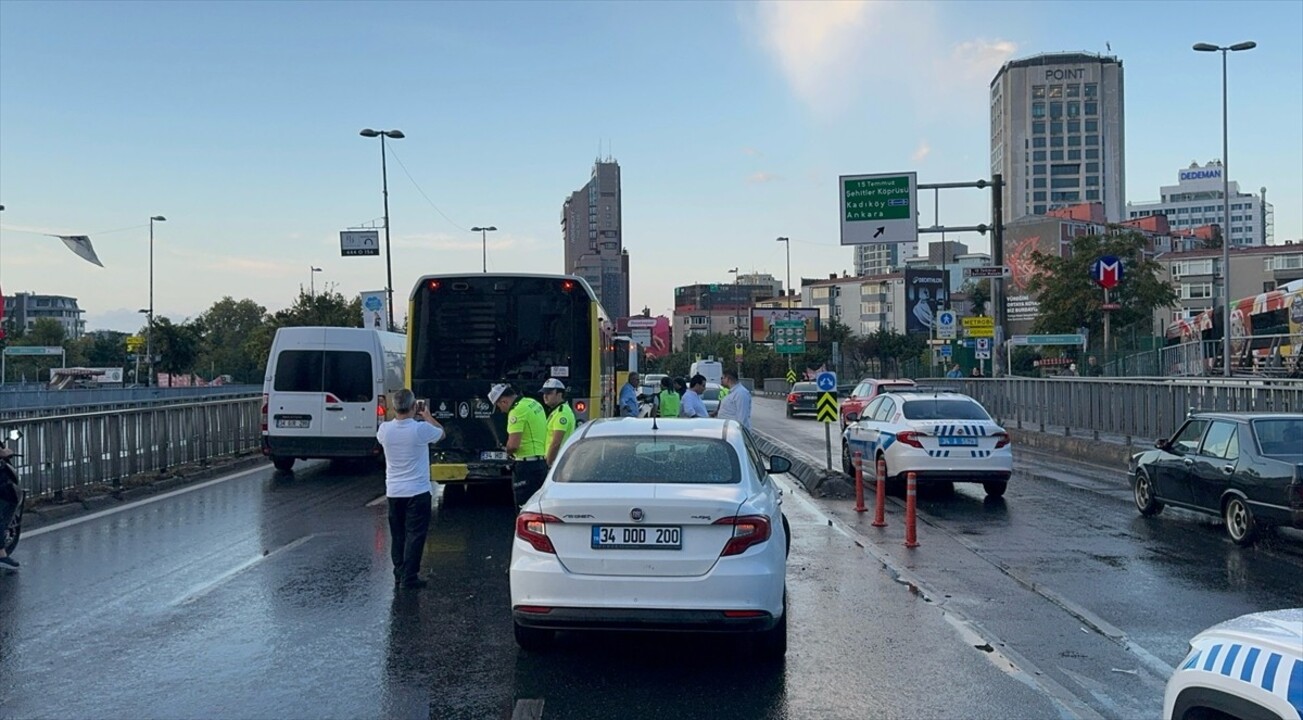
[(467, 332)]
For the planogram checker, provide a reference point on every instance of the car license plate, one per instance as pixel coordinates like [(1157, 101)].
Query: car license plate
[(297, 423), (947, 441), (493, 455), (628, 537)]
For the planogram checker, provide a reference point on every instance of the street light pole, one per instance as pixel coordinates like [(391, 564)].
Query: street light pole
[(384, 179), (312, 277), (149, 330), (1226, 204), (484, 242), (787, 298)]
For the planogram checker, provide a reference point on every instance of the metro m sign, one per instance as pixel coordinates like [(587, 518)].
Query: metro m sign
[(1106, 271)]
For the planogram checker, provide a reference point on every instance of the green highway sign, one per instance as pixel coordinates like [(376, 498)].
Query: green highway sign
[(33, 350), (789, 337), (879, 208), (1062, 339)]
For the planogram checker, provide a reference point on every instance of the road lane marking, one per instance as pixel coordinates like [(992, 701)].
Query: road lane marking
[(528, 709), (1001, 655), (207, 587), (139, 503), (378, 501)]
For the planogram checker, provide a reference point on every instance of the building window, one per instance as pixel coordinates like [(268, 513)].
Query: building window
[(1092, 153), (1039, 196), (1056, 141), (1092, 108), (1038, 169), (1065, 182), (1092, 140), (1056, 128), (1038, 109), (1038, 156), (1038, 142), (1062, 197), (1038, 127), (1196, 291), (1074, 154), (1038, 210), (1074, 90), (1091, 90), (1092, 126), (1092, 181), (1074, 109), (1056, 155), (1056, 110), (1038, 182), (1074, 141), (1093, 168), (1092, 194), (1074, 126), (1056, 91), (1065, 170)]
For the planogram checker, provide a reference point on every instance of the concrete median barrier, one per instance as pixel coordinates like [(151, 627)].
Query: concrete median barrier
[(812, 472)]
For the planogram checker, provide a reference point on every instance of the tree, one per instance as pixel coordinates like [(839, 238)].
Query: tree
[(177, 346), (226, 328), (1070, 299), (979, 294), (328, 308)]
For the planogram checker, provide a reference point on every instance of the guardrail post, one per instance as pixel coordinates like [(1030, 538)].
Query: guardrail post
[(859, 482), (880, 502), (911, 511)]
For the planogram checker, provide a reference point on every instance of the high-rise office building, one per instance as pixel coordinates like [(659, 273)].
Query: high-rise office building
[(883, 258), (1057, 133), (594, 240)]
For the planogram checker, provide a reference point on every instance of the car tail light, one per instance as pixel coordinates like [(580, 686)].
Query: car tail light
[(748, 530), (744, 613), (791, 397), (331, 399), (532, 528), (910, 438), (1001, 439), (533, 609), (382, 407), (266, 400)]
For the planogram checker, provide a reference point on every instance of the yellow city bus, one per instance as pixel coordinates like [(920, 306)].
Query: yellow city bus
[(466, 332)]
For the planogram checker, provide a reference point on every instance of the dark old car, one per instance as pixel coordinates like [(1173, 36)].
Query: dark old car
[(802, 399), (1247, 468)]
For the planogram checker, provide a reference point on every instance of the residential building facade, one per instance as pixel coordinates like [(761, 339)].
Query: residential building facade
[(864, 303), (1195, 274), (716, 308), (1057, 133), (22, 310), (1196, 200), (881, 259), (592, 230)]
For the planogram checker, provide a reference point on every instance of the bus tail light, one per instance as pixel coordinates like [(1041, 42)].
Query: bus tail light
[(581, 406), (434, 285), (532, 528), (266, 400), (748, 530), (567, 285)]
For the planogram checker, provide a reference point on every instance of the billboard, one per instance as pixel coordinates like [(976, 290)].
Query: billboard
[(374, 310), (762, 322), (926, 291)]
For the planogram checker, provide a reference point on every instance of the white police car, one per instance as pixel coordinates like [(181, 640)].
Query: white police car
[(940, 436), (1249, 667)]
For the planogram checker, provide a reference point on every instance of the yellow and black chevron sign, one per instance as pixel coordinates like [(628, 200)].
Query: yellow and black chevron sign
[(791, 377), (826, 409)]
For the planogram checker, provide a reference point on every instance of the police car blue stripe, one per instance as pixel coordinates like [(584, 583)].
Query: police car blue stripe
[(1230, 660), (1212, 657), (1294, 693), (1250, 660), (1194, 660), (1269, 673)]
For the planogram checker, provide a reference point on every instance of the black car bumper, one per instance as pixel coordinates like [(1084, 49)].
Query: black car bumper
[(650, 619)]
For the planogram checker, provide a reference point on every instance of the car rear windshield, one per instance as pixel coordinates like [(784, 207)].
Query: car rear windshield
[(1279, 436), (943, 409), (346, 374), (676, 460), (805, 387)]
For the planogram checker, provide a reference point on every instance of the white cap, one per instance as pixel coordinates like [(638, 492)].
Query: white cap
[(553, 384), (496, 392)]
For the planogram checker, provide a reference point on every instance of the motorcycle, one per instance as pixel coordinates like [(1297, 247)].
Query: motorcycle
[(11, 491)]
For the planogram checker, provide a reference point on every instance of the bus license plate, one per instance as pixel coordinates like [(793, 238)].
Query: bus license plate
[(624, 537), (297, 423), (947, 441), (493, 455)]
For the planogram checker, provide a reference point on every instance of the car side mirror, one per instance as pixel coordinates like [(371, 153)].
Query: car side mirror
[(779, 464)]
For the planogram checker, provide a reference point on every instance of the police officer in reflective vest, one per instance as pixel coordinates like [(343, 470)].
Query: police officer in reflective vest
[(560, 419), (526, 439)]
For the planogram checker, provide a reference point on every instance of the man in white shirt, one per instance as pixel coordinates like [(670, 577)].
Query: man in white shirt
[(692, 406), (737, 404), (407, 484)]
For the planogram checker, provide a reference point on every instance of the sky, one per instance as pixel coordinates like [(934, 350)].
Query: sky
[(238, 122)]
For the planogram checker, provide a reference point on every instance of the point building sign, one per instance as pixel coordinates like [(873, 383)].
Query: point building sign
[(1209, 172)]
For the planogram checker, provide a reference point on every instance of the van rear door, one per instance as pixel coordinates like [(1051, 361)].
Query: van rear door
[(351, 379), (295, 401)]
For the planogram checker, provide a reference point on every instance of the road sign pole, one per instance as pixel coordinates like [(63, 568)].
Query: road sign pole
[(827, 442), (998, 286), (1107, 314)]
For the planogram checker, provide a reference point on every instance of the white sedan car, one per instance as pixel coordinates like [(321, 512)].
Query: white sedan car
[(940, 436), (1249, 667), (672, 524)]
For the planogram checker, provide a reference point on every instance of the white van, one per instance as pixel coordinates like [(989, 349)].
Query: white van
[(712, 370), (327, 390)]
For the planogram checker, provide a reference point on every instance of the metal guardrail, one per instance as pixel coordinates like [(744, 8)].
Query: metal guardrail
[(1132, 409), (36, 402), (75, 450)]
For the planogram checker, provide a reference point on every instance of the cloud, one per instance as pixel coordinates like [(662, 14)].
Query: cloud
[(921, 152), (978, 60), (760, 176), (752, 152), (814, 43)]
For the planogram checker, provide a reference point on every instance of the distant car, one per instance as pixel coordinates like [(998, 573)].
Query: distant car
[(1246, 468), (854, 403), (673, 524), (802, 399), (710, 398), (941, 436), (1249, 667)]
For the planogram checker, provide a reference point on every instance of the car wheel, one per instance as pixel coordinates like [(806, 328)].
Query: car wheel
[(1240, 524), (13, 532), (771, 644), (1146, 503), (995, 488), (848, 460), (787, 533), (284, 464), (534, 639)]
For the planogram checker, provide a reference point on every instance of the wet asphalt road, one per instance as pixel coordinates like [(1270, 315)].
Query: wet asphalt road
[(269, 595)]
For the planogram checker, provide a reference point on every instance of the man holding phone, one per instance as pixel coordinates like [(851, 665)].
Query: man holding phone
[(407, 484)]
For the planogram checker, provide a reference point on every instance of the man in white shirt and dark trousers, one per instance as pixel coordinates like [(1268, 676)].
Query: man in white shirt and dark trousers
[(737, 404), (407, 484)]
